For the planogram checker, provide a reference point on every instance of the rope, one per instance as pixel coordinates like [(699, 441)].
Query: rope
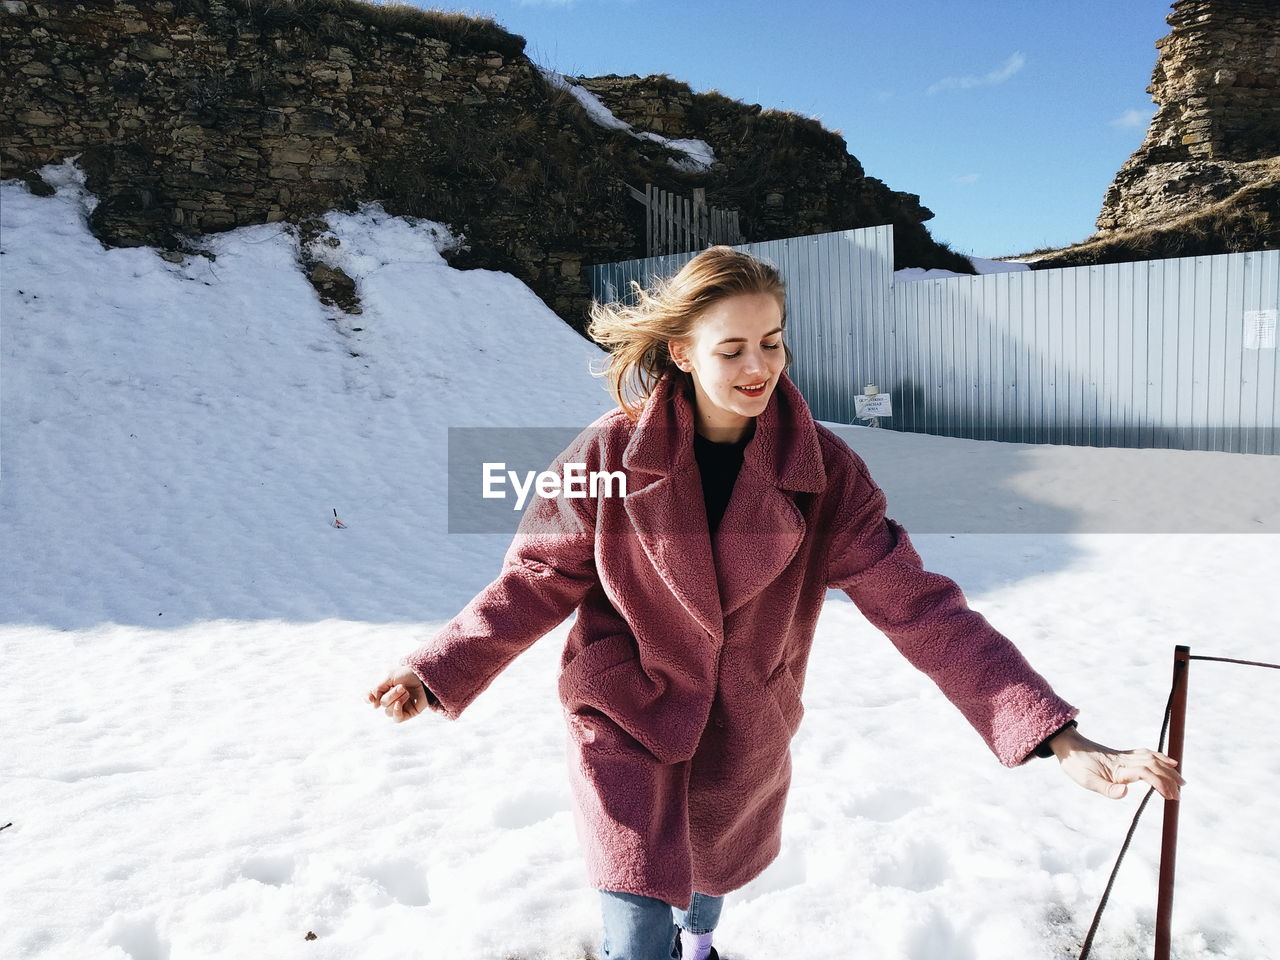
[(1179, 672), (1247, 663)]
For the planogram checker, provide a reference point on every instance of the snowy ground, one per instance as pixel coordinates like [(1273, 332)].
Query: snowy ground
[(189, 765)]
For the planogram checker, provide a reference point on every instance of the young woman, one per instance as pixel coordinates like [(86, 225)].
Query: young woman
[(697, 596)]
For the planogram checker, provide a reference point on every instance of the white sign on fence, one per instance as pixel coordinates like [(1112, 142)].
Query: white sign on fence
[(875, 405), (1260, 329)]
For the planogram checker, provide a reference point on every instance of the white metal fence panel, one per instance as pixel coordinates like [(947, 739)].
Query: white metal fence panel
[(1164, 353), (1148, 354)]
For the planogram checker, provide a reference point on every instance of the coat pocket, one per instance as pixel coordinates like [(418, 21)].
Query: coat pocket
[(606, 681), (782, 688), (598, 685), (596, 659)]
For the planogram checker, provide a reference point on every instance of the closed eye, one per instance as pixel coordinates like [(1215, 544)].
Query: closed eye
[(767, 346)]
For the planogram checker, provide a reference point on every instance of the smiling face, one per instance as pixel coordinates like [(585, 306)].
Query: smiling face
[(735, 356)]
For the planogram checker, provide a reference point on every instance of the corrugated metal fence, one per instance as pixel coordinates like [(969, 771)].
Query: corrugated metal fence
[(1163, 353)]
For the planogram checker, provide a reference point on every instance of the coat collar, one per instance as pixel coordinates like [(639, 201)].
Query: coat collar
[(784, 449), (762, 528)]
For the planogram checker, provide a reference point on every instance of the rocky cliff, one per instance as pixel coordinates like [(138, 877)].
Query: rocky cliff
[(788, 174), (192, 116), (1207, 177)]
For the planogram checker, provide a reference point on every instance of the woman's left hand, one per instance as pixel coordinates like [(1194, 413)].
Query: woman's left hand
[(1106, 770)]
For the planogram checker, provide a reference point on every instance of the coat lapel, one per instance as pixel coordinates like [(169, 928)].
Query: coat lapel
[(762, 528), (667, 512)]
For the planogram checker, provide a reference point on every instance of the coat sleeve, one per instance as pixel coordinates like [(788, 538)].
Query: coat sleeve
[(547, 571), (925, 615)]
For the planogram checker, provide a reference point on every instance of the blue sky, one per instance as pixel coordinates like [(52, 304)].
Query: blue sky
[(1008, 117)]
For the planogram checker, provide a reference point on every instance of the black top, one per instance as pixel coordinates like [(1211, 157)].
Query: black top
[(719, 464)]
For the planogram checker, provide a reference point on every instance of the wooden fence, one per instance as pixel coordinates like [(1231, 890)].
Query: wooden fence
[(679, 224)]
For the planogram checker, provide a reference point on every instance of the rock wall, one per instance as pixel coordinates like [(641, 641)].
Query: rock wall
[(1216, 132), (193, 116), (787, 174)]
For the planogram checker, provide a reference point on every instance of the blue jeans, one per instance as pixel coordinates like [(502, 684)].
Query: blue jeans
[(645, 928)]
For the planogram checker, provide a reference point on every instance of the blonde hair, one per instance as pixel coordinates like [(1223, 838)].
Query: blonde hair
[(636, 336)]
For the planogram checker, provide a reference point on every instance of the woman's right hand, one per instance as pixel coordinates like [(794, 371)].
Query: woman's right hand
[(1107, 771), (402, 694)]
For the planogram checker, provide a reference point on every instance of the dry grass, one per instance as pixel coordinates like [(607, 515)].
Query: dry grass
[(476, 33), (1247, 220)]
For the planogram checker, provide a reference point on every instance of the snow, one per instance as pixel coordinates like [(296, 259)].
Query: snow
[(698, 153), (597, 111), (984, 265), (191, 770), (1044, 488), (981, 265)]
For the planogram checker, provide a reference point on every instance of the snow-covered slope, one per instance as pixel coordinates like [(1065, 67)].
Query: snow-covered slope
[(160, 419), (185, 641)]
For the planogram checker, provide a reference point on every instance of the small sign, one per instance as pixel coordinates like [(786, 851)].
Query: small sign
[(875, 405), (1260, 329)]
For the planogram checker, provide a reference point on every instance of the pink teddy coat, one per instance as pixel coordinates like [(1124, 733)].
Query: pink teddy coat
[(682, 674)]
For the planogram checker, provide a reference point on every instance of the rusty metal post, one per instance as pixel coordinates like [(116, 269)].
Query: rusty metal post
[(1169, 843)]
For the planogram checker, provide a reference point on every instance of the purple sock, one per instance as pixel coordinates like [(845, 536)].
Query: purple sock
[(694, 946)]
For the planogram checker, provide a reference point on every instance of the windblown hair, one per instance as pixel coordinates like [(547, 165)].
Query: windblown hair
[(636, 336)]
